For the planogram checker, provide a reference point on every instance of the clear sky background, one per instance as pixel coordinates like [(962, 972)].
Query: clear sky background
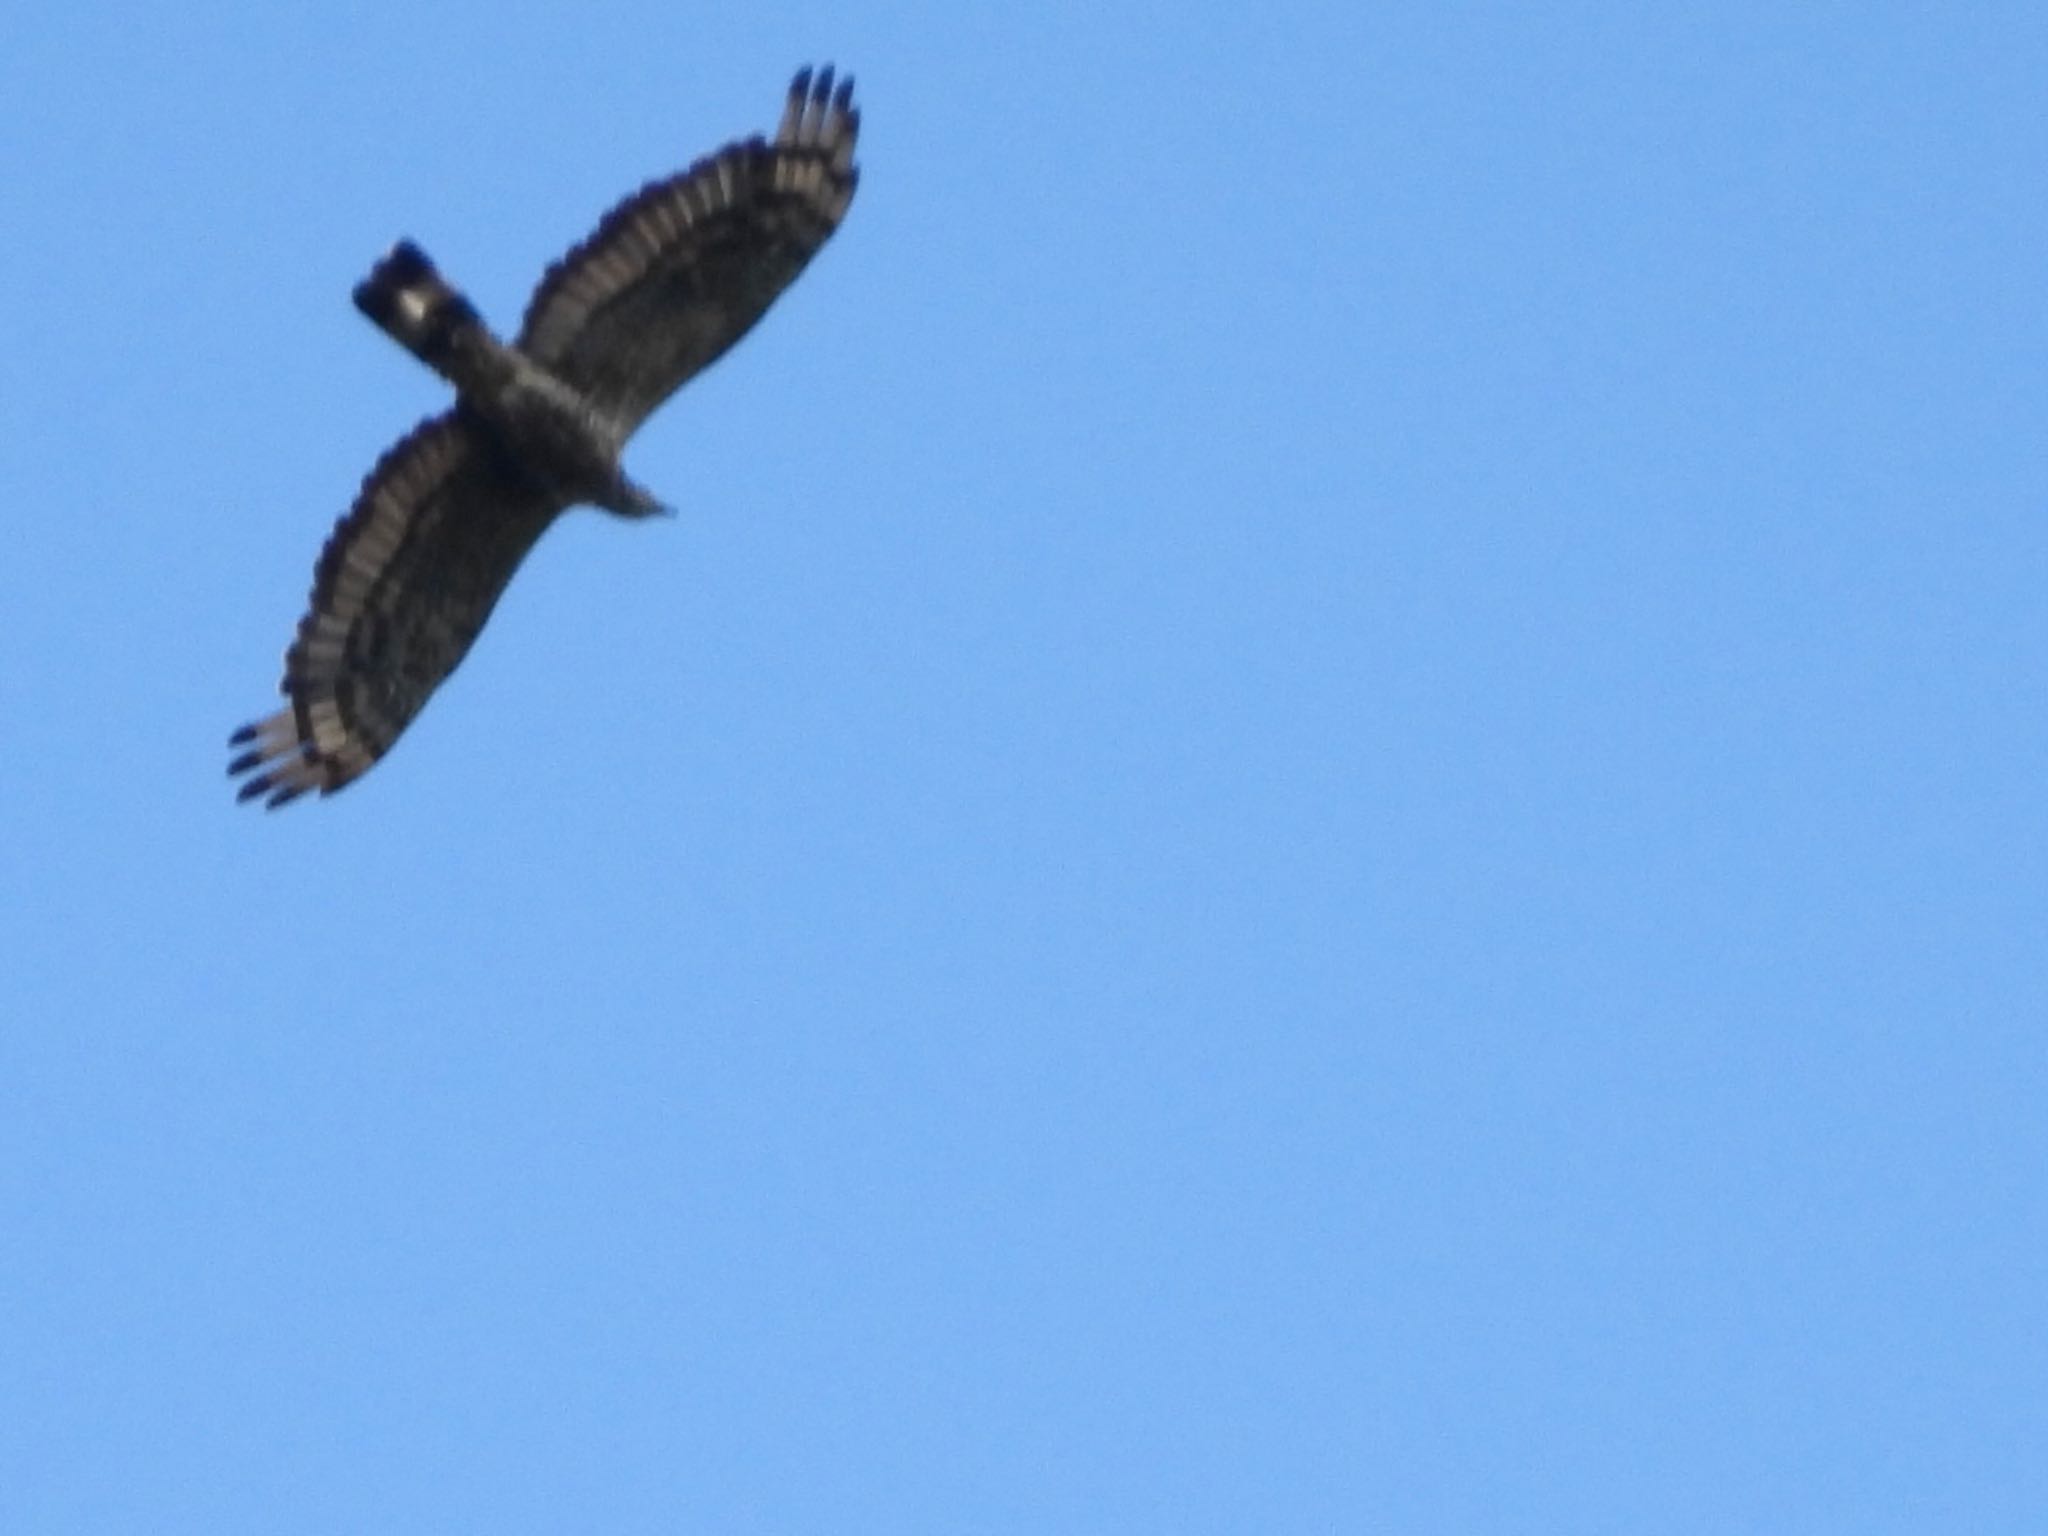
[(1328, 816)]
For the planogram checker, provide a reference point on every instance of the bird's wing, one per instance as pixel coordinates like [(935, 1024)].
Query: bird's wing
[(681, 270), (406, 581)]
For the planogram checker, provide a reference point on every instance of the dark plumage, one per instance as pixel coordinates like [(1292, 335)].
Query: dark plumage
[(671, 278)]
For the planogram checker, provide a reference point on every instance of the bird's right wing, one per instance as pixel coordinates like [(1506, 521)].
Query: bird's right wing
[(682, 269)]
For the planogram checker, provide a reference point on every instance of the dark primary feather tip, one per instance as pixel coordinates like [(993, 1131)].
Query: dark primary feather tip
[(821, 88), (843, 97), (253, 788), (801, 85), (284, 796), (245, 762), (246, 733)]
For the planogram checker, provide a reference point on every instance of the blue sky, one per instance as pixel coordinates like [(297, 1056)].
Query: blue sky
[(1327, 817)]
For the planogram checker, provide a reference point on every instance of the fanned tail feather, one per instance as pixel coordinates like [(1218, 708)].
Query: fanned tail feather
[(412, 303)]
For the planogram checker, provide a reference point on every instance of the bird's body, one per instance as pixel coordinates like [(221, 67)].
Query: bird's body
[(565, 441), (672, 278)]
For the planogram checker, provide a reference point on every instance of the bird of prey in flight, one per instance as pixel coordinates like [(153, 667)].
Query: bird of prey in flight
[(671, 278)]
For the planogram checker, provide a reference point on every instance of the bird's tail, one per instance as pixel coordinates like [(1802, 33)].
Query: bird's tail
[(418, 308)]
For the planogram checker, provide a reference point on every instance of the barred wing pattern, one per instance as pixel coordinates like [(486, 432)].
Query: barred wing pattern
[(405, 583), (672, 277), (682, 269)]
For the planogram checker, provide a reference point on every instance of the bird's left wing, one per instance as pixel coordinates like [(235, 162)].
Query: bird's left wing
[(405, 583)]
